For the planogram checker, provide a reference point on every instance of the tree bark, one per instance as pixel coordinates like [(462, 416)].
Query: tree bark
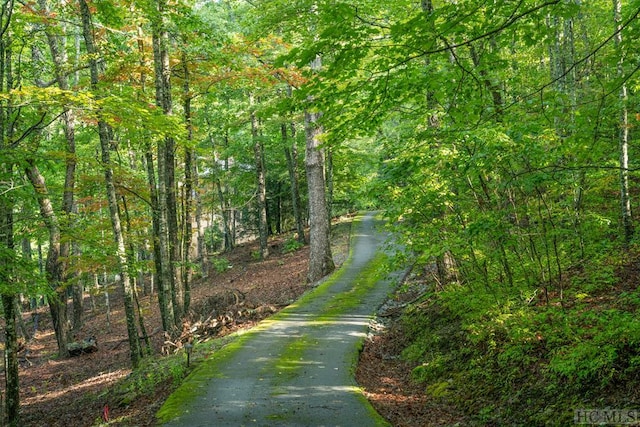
[(228, 217), (60, 62), (320, 258), (131, 256), (8, 297), (160, 243), (55, 266), (329, 178), (188, 191), (12, 379), (105, 136), (291, 154), (625, 194), (261, 181), (201, 247), (12, 397), (167, 203), (164, 291)]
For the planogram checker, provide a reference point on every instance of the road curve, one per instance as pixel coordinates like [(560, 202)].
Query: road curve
[(296, 370)]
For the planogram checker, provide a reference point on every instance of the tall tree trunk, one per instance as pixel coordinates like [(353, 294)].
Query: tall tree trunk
[(56, 264), (201, 247), (160, 241), (12, 382), (131, 256), (59, 250), (12, 397), (7, 249), (60, 63), (625, 198), (320, 258), (167, 203), (261, 181), (291, 154), (77, 289), (105, 136), (159, 256), (329, 178), (225, 207), (229, 241), (188, 190)]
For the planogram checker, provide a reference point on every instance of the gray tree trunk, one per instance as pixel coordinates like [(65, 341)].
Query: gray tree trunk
[(12, 396), (201, 247), (12, 380), (60, 63), (167, 204), (164, 290), (9, 300), (261, 182), (329, 177), (228, 216), (291, 154), (320, 258), (55, 266), (105, 135), (188, 191), (625, 195)]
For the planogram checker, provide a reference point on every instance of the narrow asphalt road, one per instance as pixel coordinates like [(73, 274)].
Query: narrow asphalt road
[(296, 370)]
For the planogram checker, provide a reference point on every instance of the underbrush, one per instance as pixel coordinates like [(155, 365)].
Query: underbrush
[(507, 359)]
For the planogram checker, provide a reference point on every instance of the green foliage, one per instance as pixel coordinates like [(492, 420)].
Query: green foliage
[(221, 264), (502, 359), (149, 376), (291, 245)]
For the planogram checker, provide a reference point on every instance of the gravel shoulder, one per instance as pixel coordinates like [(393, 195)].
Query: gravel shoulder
[(296, 368)]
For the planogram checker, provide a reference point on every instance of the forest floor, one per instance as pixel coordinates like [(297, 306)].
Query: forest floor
[(76, 391)]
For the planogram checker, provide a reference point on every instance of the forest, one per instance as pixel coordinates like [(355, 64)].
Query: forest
[(140, 141)]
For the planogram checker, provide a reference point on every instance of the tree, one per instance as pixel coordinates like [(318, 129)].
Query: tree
[(261, 180), (625, 197), (291, 155), (59, 245), (190, 178), (7, 205), (105, 134), (165, 147), (320, 258)]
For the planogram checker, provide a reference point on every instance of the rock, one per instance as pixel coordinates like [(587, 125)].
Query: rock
[(87, 345)]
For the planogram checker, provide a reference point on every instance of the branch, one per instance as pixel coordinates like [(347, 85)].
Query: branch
[(587, 57), (33, 128), (371, 23), (540, 90), (558, 168), (506, 24), (449, 47), (135, 193), (9, 12), (43, 85)]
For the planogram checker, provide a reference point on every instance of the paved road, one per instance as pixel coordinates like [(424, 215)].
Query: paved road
[(298, 370)]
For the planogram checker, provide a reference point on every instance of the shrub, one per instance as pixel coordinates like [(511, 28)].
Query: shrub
[(221, 264), (291, 245)]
